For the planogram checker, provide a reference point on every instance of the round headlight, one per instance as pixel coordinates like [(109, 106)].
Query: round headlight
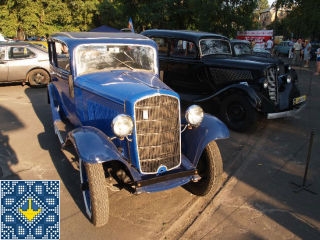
[(122, 125), (194, 115), (289, 79), (265, 83)]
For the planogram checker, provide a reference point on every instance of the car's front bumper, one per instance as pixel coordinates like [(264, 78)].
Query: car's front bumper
[(284, 114)]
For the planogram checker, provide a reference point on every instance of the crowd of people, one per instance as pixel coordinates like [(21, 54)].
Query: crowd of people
[(300, 53)]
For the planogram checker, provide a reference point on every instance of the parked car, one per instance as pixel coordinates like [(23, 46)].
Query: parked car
[(201, 68), (283, 48), (25, 63), (123, 125), (243, 48)]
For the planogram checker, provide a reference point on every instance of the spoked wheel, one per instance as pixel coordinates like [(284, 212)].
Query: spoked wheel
[(238, 113), (210, 170), (95, 192), (38, 78)]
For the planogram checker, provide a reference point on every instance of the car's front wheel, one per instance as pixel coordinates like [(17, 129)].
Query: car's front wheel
[(38, 78), (237, 113), (95, 192), (210, 170)]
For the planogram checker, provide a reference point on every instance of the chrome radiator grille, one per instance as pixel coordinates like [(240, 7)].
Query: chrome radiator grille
[(158, 133), (272, 77)]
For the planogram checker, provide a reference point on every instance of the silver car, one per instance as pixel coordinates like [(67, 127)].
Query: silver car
[(25, 63)]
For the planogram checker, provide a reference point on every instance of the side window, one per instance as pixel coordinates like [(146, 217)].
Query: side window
[(20, 52), (182, 48), (62, 53), (162, 45)]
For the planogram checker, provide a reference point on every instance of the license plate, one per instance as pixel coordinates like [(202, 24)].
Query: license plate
[(299, 99)]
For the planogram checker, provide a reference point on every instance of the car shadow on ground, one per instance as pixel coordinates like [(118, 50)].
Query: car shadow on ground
[(49, 141), (8, 158)]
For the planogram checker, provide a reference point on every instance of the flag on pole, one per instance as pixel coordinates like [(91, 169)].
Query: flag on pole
[(130, 25)]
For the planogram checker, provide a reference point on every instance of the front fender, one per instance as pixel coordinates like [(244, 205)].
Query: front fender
[(92, 145), (253, 97), (196, 139)]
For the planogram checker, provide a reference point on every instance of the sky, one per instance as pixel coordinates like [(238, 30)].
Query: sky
[(270, 2)]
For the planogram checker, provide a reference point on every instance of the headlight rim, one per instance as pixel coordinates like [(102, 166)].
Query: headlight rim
[(194, 119), (117, 120)]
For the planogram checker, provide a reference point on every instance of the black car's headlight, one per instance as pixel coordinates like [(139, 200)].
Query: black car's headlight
[(122, 125), (194, 115)]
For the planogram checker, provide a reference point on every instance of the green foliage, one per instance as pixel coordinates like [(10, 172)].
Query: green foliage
[(41, 17), (302, 21)]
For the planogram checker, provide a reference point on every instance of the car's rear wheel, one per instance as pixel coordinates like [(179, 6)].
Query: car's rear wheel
[(210, 170), (95, 192), (237, 113), (38, 78)]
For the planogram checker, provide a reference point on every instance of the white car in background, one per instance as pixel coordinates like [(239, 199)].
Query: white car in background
[(25, 63)]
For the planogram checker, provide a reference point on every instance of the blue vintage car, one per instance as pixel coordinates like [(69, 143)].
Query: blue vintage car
[(123, 125)]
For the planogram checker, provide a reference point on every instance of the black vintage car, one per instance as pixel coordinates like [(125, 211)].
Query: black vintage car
[(200, 66)]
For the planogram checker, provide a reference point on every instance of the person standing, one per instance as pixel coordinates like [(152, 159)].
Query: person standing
[(318, 62), (2, 39), (306, 53), (269, 45), (297, 49), (20, 34)]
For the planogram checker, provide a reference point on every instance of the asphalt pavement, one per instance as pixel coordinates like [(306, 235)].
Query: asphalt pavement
[(275, 192), (267, 192)]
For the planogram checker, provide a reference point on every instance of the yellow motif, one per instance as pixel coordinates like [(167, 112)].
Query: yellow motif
[(30, 213)]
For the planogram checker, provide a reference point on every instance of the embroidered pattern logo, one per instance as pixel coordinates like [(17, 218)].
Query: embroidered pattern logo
[(30, 209)]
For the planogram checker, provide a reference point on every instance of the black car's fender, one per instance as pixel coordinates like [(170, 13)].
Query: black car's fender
[(242, 88)]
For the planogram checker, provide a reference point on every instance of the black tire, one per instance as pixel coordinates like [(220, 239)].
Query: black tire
[(95, 193), (38, 78), (210, 170), (238, 114)]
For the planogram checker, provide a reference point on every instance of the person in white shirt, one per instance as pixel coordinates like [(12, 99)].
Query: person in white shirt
[(269, 45), (2, 39), (297, 46)]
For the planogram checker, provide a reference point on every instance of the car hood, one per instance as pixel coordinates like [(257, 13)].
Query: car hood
[(234, 62), (261, 59), (122, 85)]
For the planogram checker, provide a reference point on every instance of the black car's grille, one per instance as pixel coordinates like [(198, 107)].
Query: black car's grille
[(225, 76), (272, 76), (158, 132)]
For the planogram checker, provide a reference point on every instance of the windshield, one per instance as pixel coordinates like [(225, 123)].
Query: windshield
[(107, 57), (242, 49), (214, 46)]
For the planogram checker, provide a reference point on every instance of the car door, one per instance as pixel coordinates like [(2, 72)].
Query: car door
[(21, 60), (182, 69), (63, 80)]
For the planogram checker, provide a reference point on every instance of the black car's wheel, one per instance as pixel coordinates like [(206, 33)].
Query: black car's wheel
[(38, 78), (237, 113), (95, 193), (210, 170)]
